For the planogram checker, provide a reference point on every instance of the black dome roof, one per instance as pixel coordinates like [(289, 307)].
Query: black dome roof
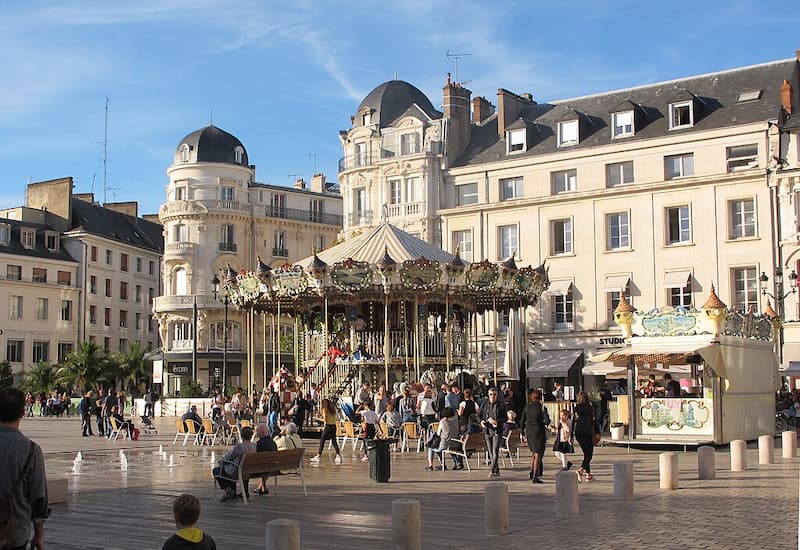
[(391, 99), (211, 144)]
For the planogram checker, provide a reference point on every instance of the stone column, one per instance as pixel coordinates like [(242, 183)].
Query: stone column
[(566, 494), (623, 480), (766, 445), (495, 508), (668, 470), (738, 455), (789, 442), (283, 534), (406, 524), (706, 462)]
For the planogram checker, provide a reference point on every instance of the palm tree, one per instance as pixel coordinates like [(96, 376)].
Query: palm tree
[(41, 378), (83, 367), (131, 365)]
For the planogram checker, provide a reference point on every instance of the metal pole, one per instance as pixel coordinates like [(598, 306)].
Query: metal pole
[(225, 345), (494, 307), (278, 334), (386, 345), (272, 338), (447, 338), (419, 342), (194, 338), (264, 348)]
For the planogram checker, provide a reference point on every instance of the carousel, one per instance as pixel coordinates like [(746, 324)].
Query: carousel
[(383, 307)]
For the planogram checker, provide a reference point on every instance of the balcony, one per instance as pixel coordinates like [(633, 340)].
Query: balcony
[(199, 207), (351, 162), (406, 210), (303, 215), (357, 161), (182, 248), (227, 247), (186, 301), (280, 252), (182, 345), (359, 218)]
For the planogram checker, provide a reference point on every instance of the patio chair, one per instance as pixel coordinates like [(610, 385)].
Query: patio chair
[(411, 433), (351, 434), (193, 431), (116, 430), (510, 446), (234, 435), (210, 432), (180, 425)]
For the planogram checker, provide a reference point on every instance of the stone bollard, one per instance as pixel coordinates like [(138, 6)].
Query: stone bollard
[(766, 444), (738, 455), (495, 508), (283, 534), (57, 491), (668, 470), (623, 480), (405, 524), (566, 494), (789, 440), (706, 462)]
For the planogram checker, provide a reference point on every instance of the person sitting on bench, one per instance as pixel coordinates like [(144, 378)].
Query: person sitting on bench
[(225, 473)]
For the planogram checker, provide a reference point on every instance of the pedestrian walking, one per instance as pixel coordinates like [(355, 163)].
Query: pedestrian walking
[(328, 416), (586, 429), (493, 414), (85, 409), (534, 421)]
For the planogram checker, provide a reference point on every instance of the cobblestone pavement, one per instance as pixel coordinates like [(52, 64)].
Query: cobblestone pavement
[(112, 508)]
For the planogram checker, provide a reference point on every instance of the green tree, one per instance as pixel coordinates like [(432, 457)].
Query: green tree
[(6, 374), (191, 389), (41, 378), (83, 367), (131, 365)]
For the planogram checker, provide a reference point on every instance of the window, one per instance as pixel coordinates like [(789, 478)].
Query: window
[(93, 253), (151, 267), (516, 141), (360, 150), (139, 294), (226, 238), (618, 231), (622, 124), (508, 240), (238, 154), (681, 296), (563, 312), (179, 282), (185, 148), (64, 278), (751, 95), (14, 351), (619, 173), (123, 290), (28, 238), (93, 284), (462, 241), (466, 194), (66, 310), (277, 205), (41, 351), (366, 119), (179, 233), (361, 202), (14, 272), (678, 166), (106, 344), (411, 184), (92, 315), (319, 243), (138, 321), (563, 181), (510, 188), (41, 309), (123, 318), (561, 237), (108, 288), (15, 307), (64, 349), (681, 115), (138, 265), (39, 275), (745, 288), (567, 133), (150, 295), (742, 157), (5, 233), (409, 144), (678, 225), (279, 244), (742, 214), (395, 189), (107, 317), (226, 193), (51, 241), (316, 208), (123, 262), (180, 193), (109, 257)]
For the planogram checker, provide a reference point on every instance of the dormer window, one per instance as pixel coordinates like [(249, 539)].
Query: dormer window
[(366, 118), (681, 115), (28, 238), (516, 141), (5, 233), (238, 154), (568, 133), (409, 144), (185, 149), (51, 241), (622, 124)]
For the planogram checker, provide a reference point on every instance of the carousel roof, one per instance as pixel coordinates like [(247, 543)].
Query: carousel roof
[(371, 246)]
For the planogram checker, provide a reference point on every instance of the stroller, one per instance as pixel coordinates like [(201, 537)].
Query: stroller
[(147, 426)]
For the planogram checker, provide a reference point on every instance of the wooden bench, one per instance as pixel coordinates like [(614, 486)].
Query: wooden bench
[(464, 446), (268, 463)]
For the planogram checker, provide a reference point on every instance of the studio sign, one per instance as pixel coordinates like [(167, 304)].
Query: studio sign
[(616, 340)]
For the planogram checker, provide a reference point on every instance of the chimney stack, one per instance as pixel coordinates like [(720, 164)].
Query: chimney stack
[(509, 106), (481, 110), (318, 183), (300, 183), (457, 113), (786, 96)]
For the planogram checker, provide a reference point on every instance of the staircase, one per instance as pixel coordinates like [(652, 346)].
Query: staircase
[(333, 379)]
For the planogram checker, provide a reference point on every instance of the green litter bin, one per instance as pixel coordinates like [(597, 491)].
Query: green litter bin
[(380, 459)]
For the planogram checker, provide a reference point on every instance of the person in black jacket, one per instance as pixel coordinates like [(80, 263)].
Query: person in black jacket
[(86, 408), (534, 421), (493, 414), (585, 428), (186, 509)]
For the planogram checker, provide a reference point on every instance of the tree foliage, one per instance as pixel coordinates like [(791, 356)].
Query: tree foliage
[(6, 374), (83, 368), (42, 378), (130, 365)]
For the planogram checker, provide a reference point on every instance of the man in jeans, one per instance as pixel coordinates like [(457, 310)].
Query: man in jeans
[(85, 408), (493, 414), (21, 473)]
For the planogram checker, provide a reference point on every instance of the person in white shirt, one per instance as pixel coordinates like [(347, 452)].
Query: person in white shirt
[(368, 419)]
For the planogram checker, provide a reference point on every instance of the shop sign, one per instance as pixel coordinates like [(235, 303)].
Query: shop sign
[(612, 341)]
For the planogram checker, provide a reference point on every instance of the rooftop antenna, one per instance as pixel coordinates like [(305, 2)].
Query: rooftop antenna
[(293, 177), (314, 156), (212, 117), (395, 73), (455, 57), (94, 177), (114, 193), (105, 153)]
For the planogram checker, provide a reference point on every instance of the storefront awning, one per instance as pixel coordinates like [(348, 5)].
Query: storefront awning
[(552, 362), (558, 288), (664, 354), (602, 369), (791, 354), (792, 369), (677, 279), (616, 283)]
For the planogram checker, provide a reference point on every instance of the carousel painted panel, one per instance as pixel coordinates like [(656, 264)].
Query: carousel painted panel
[(675, 416)]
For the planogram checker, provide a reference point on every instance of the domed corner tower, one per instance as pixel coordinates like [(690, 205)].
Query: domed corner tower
[(392, 160)]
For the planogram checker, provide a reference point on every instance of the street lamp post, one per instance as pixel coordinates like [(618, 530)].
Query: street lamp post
[(779, 296), (222, 297)]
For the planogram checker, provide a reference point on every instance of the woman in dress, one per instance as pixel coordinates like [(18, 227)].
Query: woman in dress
[(584, 432), (563, 446), (534, 422)]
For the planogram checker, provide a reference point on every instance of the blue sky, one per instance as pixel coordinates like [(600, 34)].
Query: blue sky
[(285, 77)]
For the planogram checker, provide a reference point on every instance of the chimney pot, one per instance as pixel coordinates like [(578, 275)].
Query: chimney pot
[(786, 96)]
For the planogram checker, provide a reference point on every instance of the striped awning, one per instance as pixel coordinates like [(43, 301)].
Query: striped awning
[(369, 247)]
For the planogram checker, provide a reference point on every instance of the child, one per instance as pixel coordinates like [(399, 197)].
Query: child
[(510, 424), (392, 419), (187, 511), (563, 444)]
